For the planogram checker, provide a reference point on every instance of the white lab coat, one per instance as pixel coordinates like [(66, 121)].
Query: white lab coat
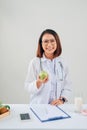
[(58, 84)]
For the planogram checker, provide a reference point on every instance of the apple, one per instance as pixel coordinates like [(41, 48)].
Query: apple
[(43, 74)]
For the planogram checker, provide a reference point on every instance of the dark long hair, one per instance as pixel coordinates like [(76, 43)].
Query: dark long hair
[(40, 50)]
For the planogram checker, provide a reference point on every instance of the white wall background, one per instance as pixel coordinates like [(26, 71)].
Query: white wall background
[(21, 23)]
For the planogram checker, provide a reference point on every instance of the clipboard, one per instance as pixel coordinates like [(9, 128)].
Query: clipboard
[(47, 112)]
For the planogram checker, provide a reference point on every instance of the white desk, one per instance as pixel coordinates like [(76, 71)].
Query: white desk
[(13, 122)]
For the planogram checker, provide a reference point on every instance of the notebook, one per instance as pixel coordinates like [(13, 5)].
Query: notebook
[(47, 112)]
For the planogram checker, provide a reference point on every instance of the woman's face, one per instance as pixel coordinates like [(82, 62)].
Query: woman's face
[(49, 44)]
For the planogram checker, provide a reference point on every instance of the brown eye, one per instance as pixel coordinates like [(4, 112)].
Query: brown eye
[(46, 41)]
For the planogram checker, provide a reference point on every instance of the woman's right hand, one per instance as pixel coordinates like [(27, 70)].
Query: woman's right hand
[(39, 81)]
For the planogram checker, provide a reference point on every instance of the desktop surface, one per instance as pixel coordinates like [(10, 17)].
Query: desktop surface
[(14, 122)]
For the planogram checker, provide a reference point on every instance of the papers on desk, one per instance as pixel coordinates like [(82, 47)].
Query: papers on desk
[(47, 112)]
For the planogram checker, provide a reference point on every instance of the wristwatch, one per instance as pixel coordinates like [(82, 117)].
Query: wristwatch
[(63, 99)]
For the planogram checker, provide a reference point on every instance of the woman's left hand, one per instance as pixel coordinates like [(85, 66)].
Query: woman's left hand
[(57, 102)]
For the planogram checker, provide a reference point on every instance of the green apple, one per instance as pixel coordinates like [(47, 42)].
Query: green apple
[(43, 74)]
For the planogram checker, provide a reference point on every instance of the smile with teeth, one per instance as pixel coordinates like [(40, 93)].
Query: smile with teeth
[(49, 49)]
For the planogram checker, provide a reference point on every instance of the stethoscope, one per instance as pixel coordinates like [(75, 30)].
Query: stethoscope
[(58, 71)]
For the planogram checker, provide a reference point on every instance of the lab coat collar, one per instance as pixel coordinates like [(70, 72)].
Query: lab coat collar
[(46, 59)]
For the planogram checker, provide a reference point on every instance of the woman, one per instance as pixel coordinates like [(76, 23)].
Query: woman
[(55, 88)]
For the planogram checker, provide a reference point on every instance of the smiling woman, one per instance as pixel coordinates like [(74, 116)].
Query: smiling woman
[(55, 87), (20, 25)]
